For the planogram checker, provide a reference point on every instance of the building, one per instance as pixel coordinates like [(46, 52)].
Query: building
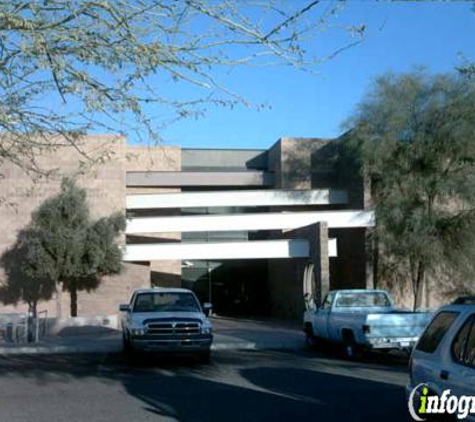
[(251, 230)]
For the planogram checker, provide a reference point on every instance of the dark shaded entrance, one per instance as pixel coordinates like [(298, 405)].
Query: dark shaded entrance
[(235, 287)]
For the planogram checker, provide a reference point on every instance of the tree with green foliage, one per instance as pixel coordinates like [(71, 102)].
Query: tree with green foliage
[(66, 248), (23, 264), (118, 65), (415, 134)]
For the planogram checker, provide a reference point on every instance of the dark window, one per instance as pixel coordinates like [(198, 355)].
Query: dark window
[(470, 348), (435, 332), (463, 347)]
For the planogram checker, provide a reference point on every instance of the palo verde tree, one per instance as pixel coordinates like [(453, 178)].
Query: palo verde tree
[(25, 279), (68, 67), (416, 136), (80, 251)]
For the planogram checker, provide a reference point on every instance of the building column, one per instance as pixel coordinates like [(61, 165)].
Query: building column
[(321, 260)]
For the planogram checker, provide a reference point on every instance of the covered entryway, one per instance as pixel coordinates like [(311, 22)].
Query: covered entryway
[(287, 263)]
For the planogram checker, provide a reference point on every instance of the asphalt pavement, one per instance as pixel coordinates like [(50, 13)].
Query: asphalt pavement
[(236, 386)]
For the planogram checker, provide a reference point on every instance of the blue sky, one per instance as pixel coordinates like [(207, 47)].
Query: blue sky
[(399, 37)]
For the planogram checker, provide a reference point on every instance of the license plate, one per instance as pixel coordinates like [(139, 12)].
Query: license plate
[(405, 344)]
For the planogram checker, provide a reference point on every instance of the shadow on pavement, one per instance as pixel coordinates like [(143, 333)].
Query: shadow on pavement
[(236, 387)]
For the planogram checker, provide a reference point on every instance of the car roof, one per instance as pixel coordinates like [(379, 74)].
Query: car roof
[(163, 290), (460, 307)]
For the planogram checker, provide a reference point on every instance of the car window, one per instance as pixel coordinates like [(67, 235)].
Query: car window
[(470, 348), (436, 330), (463, 347), (362, 299), (166, 302), (460, 341)]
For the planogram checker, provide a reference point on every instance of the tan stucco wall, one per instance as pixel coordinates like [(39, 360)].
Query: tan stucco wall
[(101, 169), (160, 158), (306, 163)]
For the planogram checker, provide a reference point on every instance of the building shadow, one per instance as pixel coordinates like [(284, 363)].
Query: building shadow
[(193, 392)]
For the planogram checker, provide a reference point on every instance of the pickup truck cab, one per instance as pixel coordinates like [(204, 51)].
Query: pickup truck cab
[(363, 320), (166, 320)]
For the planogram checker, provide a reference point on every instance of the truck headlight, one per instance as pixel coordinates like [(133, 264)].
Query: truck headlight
[(206, 328), (138, 331)]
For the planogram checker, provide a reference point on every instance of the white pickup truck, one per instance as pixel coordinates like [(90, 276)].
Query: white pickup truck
[(169, 320), (363, 320)]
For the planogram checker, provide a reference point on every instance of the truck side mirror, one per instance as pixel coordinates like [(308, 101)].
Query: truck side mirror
[(207, 308), (317, 306), (124, 307)]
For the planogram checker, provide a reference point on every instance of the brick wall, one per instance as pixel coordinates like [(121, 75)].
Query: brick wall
[(105, 186)]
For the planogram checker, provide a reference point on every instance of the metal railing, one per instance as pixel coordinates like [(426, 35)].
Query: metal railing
[(22, 328), (13, 328)]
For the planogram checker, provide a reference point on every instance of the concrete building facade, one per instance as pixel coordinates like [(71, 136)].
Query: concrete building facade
[(254, 231)]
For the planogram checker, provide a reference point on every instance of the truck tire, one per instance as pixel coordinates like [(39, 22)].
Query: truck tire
[(125, 343), (310, 339), (351, 349), (205, 357), (128, 348)]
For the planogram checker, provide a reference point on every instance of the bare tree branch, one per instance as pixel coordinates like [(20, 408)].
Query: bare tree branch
[(106, 61)]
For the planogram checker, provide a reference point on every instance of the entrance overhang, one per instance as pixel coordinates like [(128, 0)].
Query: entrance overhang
[(251, 221), (294, 248), (247, 198), (284, 248)]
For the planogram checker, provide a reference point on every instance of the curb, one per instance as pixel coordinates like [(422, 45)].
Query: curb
[(256, 346), (55, 350), (52, 350)]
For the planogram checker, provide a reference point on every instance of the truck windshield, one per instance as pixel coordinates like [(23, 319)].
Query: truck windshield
[(362, 299), (166, 302)]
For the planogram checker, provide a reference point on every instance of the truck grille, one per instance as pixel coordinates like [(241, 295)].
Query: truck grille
[(173, 328)]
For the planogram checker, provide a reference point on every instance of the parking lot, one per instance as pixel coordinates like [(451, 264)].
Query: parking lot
[(236, 386)]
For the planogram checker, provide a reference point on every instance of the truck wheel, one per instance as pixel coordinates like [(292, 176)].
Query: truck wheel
[(128, 348), (351, 349), (310, 339), (125, 343), (205, 357)]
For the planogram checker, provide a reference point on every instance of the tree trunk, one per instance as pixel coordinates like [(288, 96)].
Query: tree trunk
[(59, 312), (32, 309), (31, 323), (376, 261), (418, 285), (74, 301)]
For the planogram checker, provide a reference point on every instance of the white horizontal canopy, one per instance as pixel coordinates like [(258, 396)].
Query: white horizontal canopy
[(246, 198), (287, 248), (251, 221), (294, 248)]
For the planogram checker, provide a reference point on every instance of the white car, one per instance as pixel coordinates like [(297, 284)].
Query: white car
[(169, 320), (444, 357)]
